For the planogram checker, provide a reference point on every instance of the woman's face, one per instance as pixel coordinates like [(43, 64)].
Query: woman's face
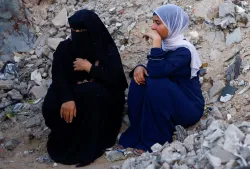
[(159, 27)]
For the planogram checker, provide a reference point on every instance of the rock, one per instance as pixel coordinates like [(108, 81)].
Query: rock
[(44, 75), (15, 95), (214, 161), (114, 156), (54, 42), (226, 9), (6, 84), (61, 35), (115, 167), (217, 87), (36, 76), (215, 112), (224, 155), (51, 56), (234, 37), (22, 87), (61, 19), (52, 31), (55, 165), (233, 135), (156, 147), (46, 50), (63, 1), (247, 140), (38, 91), (35, 121), (11, 144)]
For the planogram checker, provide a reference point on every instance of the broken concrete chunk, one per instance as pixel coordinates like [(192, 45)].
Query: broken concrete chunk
[(54, 42), (114, 156), (247, 140), (46, 50), (36, 76), (52, 31), (217, 87), (226, 9), (61, 19), (6, 84), (224, 155), (234, 37), (38, 91), (35, 121), (214, 161), (16, 95)]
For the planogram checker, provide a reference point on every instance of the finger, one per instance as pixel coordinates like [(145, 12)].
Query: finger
[(136, 80), (71, 116), (146, 72), (75, 112), (141, 77), (65, 116), (61, 113)]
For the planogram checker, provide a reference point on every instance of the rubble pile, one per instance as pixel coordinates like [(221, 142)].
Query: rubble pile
[(221, 145), (219, 29)]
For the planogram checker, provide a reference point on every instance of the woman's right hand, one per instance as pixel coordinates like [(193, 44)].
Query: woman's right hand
[(68, 111), (139, 75)]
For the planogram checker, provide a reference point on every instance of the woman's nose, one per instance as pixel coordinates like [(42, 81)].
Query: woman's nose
[(153, 27)]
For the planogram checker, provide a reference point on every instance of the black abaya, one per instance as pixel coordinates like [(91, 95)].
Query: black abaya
[(99, 104)]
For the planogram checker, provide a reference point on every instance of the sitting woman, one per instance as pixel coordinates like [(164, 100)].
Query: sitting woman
[(167, 91), (84, 104)]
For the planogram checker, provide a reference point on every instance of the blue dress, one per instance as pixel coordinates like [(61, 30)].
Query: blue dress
[(168, 98)]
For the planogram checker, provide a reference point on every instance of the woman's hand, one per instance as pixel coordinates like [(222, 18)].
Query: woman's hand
[(156, 38), (68, 111), (139, 75), (82, 65)]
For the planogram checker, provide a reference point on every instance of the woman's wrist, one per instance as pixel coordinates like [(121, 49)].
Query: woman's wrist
[(157, 43)]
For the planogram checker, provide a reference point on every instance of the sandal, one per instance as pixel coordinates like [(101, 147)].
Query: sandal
[(138, 152)]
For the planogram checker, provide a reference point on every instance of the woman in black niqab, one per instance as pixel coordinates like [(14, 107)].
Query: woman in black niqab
[(84, 104)]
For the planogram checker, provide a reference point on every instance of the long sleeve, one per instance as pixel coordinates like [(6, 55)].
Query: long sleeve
[(111, 73), (59, 74), (160, 66)]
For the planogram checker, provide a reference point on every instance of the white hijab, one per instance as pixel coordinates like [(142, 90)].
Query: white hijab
[(177, 21)]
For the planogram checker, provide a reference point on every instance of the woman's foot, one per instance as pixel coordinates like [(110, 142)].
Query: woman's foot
[(138, 152), (118, 147)]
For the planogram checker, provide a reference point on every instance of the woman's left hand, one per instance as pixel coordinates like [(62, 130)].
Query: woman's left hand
[(82, 65), (156, 38), (154, 35)]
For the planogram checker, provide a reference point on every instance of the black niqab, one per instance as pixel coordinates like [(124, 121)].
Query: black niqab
[(95, 40)]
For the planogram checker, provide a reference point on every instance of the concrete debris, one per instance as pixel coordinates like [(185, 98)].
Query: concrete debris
[(36, 76), (226, 9), (211, 148), (35, 121), (15, 95), (6, 84), (219, 30), (61, 19), (115, 156), (217, 87), (54, 42), (38, 91), (234, 37)]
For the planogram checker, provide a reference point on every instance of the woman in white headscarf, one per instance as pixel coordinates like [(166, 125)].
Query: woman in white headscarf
[(167, 91)]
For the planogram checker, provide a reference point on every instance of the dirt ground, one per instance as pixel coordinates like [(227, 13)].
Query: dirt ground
[(18, 159)]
